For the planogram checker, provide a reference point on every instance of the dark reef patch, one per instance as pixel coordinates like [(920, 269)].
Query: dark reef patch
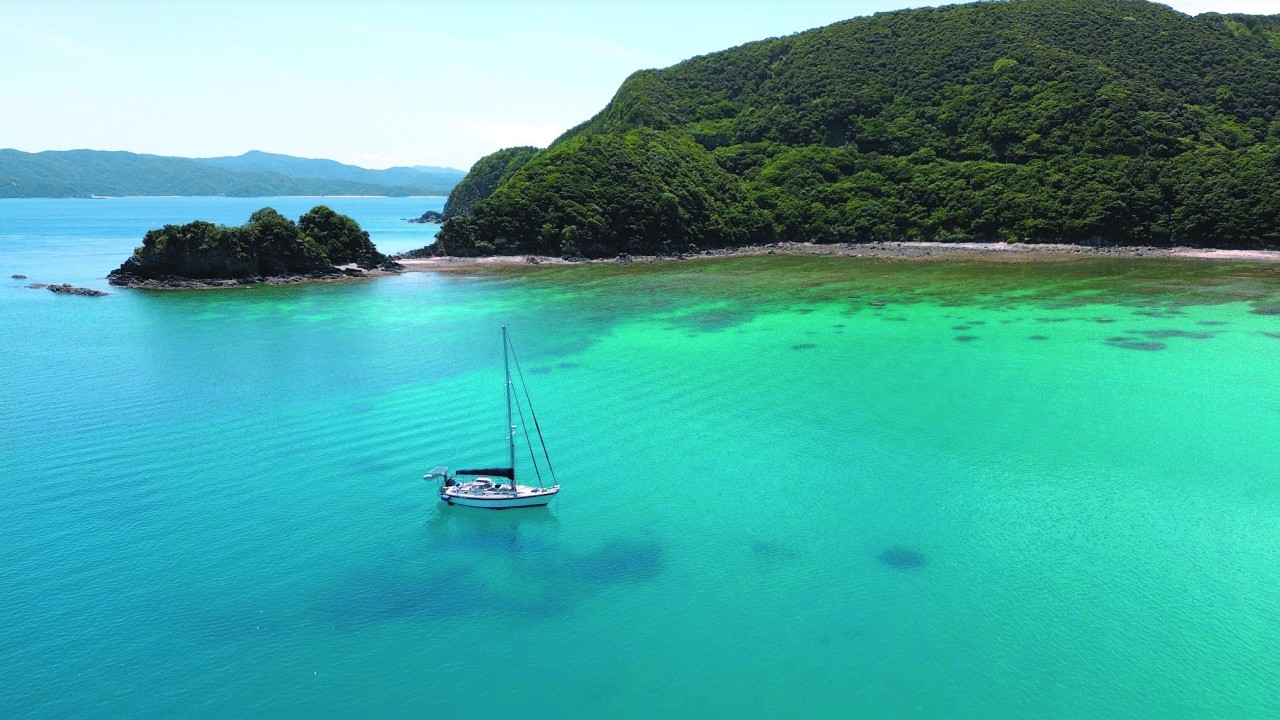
[(397, 595), (1159, 312), (1129, 343), (1271, 334), (371, 465), (901, 558), (976, 322), (617, 562), (1104, 320), (1266, 309), (1053, 320), (804, 346), (568, 365), (1165, 334), (713, 320), (960, 327), (494, 569), (1212, 323), (967, 338), (770, 553), (1038, 337)]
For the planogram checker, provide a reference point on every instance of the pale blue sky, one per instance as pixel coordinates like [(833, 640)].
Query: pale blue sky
[(371, 83)]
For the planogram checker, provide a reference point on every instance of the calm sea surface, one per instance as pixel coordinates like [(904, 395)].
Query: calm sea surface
[(1018, 491)]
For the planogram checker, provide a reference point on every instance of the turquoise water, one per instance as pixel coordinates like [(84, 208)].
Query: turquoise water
[(1011, 491)]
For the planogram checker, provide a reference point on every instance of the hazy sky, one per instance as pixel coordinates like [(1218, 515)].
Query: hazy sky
[(370, 83)]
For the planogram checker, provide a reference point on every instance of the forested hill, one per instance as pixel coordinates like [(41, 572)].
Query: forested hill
[(81, 173), (1111, 121), (485, 176)]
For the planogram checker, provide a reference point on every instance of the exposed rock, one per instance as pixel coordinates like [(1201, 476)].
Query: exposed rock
[(429, 251), (175, 282), (67, 289), (18, 277)]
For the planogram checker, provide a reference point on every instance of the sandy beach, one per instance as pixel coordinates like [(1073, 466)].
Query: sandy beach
[(904, 251)]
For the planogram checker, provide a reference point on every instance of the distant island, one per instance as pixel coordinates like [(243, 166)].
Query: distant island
[(1118, 122), (432, 217), (88, 173), (270, 248)]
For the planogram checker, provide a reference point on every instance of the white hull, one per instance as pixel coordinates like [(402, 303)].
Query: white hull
[(485, 496), (490, 492)]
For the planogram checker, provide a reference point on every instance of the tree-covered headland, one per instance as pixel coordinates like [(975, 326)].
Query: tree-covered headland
[(484, 177), (1091, 121), (269, 245)]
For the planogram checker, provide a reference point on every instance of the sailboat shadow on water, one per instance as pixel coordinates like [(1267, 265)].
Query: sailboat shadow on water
[(498, 533), (487, 490)]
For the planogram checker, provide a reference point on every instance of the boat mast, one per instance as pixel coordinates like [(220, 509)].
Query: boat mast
[(511, 429)]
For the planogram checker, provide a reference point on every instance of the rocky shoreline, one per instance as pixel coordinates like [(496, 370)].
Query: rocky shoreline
[(901, 251), (175, 282), (419, 261)]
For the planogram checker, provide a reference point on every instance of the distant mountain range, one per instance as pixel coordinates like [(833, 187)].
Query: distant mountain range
[(84, 173)]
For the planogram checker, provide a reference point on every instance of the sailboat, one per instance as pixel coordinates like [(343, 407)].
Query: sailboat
[(488, 490)]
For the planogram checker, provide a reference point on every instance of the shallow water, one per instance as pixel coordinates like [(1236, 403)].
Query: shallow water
[(1010, 491)]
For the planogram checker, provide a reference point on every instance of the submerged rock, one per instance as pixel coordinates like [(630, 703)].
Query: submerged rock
[(902, 558), (1129, 343), (1163, 334)]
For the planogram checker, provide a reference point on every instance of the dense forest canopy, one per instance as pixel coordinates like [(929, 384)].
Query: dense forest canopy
[(269, 245), (485, 176), (1112, 121)]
